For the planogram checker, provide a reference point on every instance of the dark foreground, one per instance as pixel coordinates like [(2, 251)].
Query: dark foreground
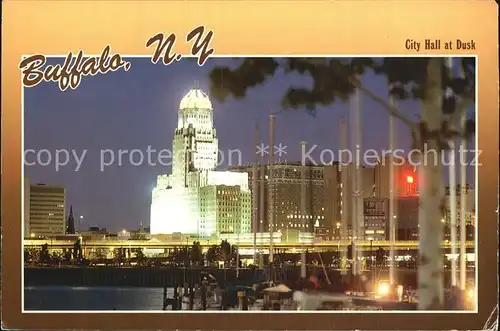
[(108, 288), (170, 277)]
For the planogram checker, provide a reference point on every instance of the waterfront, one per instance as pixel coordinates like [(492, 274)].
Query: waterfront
[(164, 276), (109, 289)]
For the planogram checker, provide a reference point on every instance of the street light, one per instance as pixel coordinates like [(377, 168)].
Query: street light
[(373, 264), (79, 223), (383, 289), (50, 228), (80, 238)]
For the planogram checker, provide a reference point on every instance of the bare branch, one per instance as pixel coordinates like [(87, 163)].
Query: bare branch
[(394, 111)]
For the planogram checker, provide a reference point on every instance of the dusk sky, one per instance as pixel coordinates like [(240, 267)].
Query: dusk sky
[(136, 109)]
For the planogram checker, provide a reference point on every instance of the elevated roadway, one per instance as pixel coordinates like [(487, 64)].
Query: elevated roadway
[(205, 244)]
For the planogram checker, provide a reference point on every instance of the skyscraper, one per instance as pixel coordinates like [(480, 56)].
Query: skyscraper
[(189, 200), (47, 210), (405, 178)]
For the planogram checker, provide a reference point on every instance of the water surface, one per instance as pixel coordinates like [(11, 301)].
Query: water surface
[(93, 298)]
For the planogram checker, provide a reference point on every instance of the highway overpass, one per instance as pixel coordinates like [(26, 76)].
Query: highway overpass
[(285, 246)]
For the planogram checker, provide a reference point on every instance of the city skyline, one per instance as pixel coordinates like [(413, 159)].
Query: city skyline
[(138, 109)]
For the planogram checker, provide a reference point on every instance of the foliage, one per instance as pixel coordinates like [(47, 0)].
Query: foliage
[(211, 255), (44, 257), (177, 256), (119, 255), (66, 255), (223, 252), (77, 250), (380, 256), (335, 79), (31, 255), (56, 257), (139, 255), (100, 253), (27, 256), (196, 253)]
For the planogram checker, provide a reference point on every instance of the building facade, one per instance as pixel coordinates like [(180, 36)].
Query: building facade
[(284, 202), (47, 210), (470, 211), (325, 208), (187, 201), (376, 218), (407, 208), (227, 207), (352, 206), (470, 201), (405, 178), (330, 228)]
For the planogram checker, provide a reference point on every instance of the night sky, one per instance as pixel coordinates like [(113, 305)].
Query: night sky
[(136, 109)]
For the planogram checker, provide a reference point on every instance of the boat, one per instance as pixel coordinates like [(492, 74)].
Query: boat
[(382, 303), (318, 300)]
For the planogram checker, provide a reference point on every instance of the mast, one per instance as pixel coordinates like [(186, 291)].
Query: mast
[(453, 214), (261, 207), (453, 188), (344, 211), (303, 270), (255, 195), (360, 222), (463, 206), (270, 197), (354, 179), (463, 197), (392, 214)]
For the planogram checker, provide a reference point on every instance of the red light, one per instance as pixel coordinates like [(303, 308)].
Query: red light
[(409, 179)]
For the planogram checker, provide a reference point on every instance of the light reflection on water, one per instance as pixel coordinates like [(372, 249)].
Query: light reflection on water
[(93, 298)]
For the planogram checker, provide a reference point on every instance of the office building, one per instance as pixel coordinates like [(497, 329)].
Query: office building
[(285, 200), (376, 218), (230, 207), (470, 211), (470, 207), (323, 197), (405, 179), (407, 207), (47, 210), (353, 212)]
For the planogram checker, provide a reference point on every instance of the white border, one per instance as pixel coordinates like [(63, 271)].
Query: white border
[(258, 311)]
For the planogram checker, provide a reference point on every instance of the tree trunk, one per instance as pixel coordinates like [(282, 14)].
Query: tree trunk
[(430, 271)]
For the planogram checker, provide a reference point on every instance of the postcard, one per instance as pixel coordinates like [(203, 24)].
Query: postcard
[(249, 165)]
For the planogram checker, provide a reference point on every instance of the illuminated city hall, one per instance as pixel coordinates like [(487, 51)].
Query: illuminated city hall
[(196, 199)]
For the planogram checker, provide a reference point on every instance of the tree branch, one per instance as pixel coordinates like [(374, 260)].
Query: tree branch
[(461, 109), (394, 111)]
